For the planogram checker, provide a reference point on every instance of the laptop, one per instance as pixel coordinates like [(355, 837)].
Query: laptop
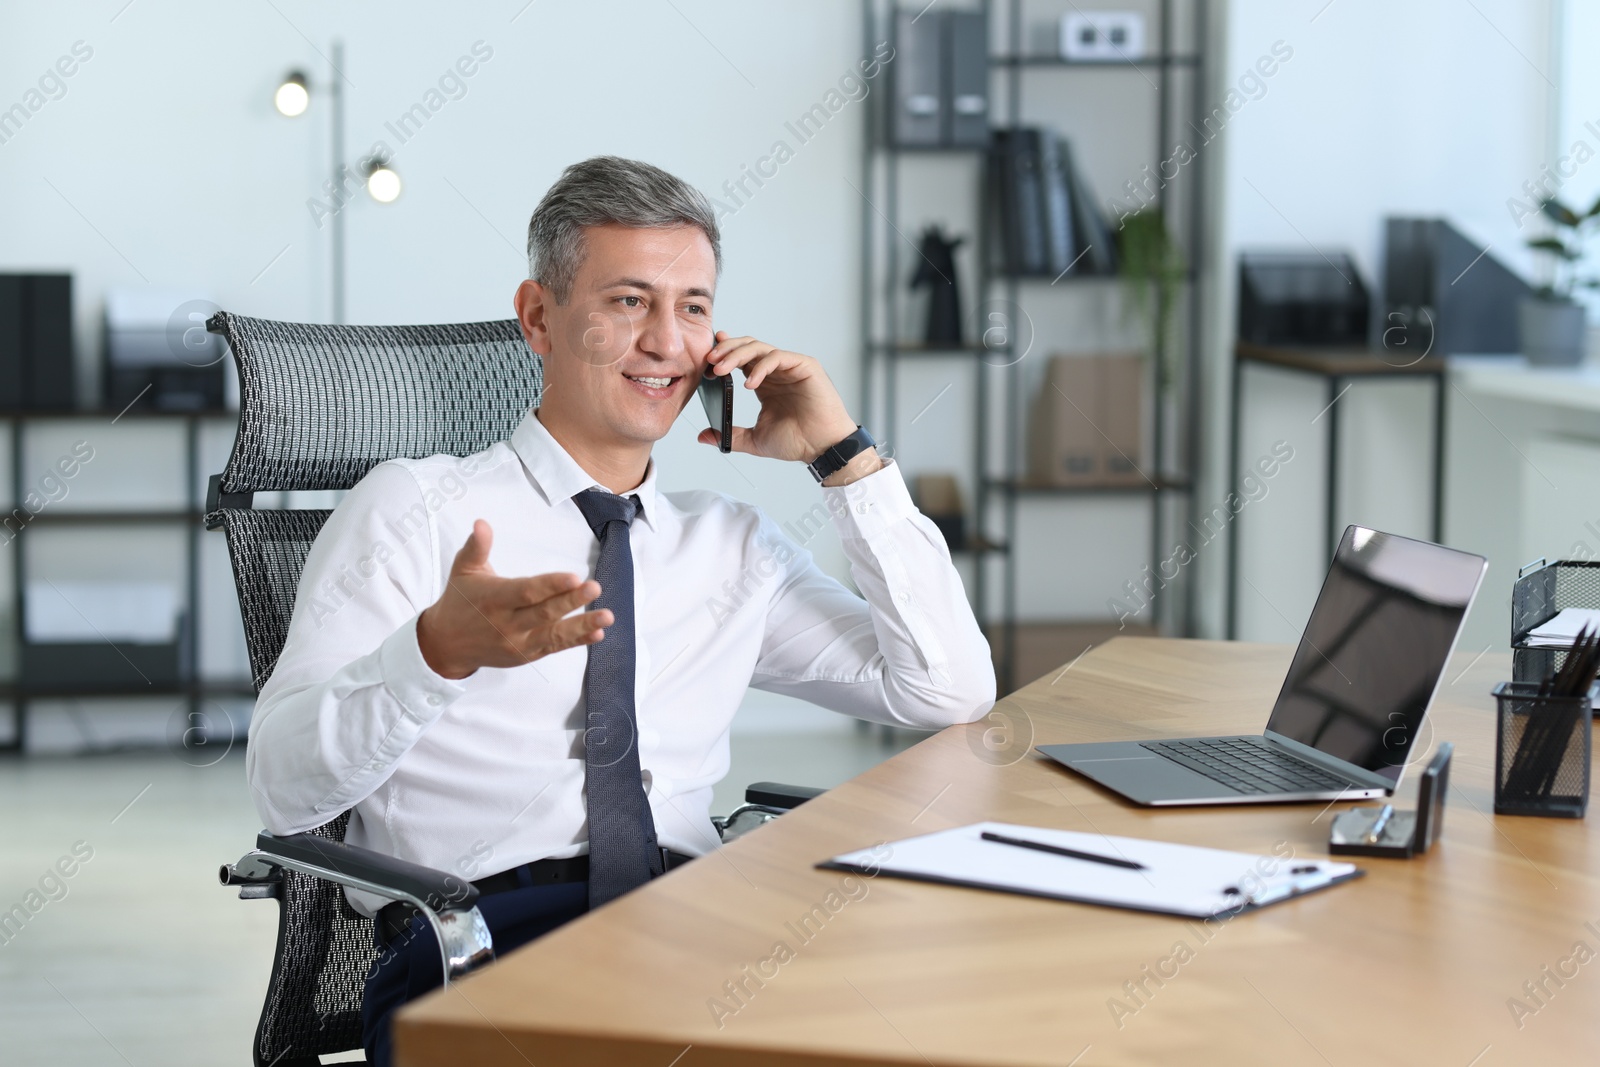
[(1352, 704)]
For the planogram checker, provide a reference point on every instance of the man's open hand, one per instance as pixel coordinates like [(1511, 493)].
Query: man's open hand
[(484, 620)]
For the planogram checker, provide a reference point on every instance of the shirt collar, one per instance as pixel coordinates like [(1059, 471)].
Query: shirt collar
[(557, 475)]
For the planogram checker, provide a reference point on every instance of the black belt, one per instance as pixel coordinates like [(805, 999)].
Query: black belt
[(394, 918)]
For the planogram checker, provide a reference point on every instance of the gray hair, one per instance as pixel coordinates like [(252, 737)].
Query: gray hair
[(608, 189)]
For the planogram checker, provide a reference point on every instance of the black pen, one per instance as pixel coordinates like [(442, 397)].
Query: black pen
[(1109, 861)]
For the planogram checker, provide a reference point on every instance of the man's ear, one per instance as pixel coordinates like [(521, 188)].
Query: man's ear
[(533, 304)]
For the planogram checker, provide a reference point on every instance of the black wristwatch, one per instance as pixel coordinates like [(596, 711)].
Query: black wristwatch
[(833, 460)]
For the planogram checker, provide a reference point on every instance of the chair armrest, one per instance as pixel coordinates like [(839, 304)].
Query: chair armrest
[(445, 900), (778, 795), (362, 868)]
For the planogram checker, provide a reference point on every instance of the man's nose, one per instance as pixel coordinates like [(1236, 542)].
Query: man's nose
[(662, 335)]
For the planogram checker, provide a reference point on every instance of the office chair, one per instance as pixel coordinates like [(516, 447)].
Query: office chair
[(320, 406)]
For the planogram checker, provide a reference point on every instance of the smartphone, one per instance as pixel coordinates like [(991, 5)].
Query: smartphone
[(716, 393)]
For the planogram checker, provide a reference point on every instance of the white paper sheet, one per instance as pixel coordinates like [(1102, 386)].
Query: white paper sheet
[(1178, 879), (1562, 631)]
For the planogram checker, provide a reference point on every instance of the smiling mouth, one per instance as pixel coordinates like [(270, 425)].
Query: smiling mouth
[(651, 382)]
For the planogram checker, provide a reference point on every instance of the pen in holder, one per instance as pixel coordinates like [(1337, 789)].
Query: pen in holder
[(1541, 752), (1383, 831)]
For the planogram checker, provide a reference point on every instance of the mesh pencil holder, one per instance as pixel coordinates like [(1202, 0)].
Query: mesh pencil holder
[(1541, 752)]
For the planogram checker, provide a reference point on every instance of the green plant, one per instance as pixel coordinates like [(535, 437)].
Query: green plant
[(1152, 269), (1565, 247)]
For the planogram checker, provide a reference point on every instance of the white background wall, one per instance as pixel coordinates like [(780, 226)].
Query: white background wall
[(165, 166), (1433, 108)]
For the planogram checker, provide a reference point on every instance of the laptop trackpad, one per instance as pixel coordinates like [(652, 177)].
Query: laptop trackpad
[(1137, 773)]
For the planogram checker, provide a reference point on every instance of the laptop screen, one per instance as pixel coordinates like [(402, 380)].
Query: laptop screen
[(1375, 647)]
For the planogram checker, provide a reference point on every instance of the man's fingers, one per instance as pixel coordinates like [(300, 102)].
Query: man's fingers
[(727, 344), (552, 608), (531, 592), (474, 555), (745, 350), (757, 370), (585, 629), (744, 441)]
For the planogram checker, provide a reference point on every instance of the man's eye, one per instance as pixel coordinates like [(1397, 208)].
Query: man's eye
[(695, 309), (636, 302)]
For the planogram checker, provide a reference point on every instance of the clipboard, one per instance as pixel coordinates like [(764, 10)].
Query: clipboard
[(1131, 873)]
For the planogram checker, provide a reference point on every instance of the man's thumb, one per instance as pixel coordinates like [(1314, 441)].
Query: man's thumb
[(474, 555)]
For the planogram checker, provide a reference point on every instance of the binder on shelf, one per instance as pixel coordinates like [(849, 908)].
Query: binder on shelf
[(1099, 246), (1049, 222), (36, 363), (1060, 233), (915, 106), (1019, 187), (966, 81)]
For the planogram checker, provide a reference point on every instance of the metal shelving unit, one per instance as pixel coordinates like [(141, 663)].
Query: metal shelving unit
[(190, 687), (999, 487)]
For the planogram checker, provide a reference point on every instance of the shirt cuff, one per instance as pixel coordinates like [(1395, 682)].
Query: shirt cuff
[(423, 693), (870, 505)]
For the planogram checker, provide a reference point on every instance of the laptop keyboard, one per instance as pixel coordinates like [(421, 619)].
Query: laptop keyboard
[(1247, 765)]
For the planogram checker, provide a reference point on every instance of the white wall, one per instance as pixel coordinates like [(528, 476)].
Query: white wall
[(164, 164), (1429, 108)]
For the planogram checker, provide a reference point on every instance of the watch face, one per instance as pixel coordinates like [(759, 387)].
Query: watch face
[(716, 393)]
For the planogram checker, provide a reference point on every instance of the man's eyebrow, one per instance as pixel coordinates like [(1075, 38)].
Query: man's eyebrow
[(630, 283), (650, 287)]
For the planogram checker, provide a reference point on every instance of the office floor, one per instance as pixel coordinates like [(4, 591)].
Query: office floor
[(140, 957)]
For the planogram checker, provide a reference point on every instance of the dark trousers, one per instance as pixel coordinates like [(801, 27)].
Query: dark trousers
[(409, 966)]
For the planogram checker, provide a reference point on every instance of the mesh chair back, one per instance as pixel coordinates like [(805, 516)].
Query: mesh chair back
[(320, 406), (268, 550)]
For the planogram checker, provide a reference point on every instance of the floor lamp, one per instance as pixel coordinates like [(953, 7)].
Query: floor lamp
[(377, 174)]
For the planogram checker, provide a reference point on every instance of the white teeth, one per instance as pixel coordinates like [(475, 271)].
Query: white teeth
[(654, 383)]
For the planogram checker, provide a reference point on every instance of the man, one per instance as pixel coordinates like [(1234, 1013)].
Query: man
[(533, 684)]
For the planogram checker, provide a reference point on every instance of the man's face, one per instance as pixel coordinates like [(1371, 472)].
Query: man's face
[(627, 349)]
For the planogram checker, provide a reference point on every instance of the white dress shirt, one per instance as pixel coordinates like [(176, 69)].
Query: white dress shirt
[(479, 775)]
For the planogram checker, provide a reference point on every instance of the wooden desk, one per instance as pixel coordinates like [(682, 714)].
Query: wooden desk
[(1415, 963)]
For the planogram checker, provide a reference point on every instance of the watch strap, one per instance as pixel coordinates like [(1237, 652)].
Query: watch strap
[(833, 460)]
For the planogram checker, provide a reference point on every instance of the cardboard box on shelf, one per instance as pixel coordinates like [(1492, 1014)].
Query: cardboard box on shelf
[(1087, 427), (1063, 444), (939, 498), (1121, 407)]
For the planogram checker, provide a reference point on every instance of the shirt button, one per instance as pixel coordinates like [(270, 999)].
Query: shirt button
[(862, 509), (904, 598), (433, 699)]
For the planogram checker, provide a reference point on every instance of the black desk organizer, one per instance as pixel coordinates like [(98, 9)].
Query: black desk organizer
[(1541, 591), (1542, 744)]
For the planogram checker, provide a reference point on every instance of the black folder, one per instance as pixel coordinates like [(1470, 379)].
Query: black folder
[(1018, 181)]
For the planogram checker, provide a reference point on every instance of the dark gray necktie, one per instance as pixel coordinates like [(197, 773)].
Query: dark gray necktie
[(622, 832)]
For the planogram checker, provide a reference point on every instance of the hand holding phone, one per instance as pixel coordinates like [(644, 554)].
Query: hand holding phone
[(716, 393)]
